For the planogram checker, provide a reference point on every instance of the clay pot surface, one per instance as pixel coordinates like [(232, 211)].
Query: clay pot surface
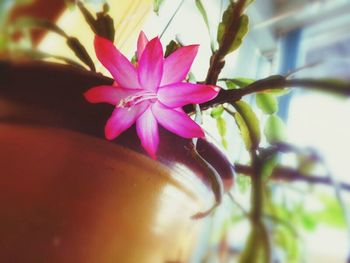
[(68, 195)]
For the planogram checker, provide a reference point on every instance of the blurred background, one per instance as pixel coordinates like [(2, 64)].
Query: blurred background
[(309, 222)]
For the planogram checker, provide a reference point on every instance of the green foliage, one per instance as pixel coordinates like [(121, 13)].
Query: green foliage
[(256, 249), (217, 112), (72, 42), (32, 22), (274, 129), (204, 14), (7, 41), (38, 55), (267, 103), (331, 214), (243, 182), (191, 78), (248, 124), (172, 47), (156, 5), (224, 28), (133, 60), (3, 42), (269, 165), (6, 6), (285, 240), (221, 125), (103, 25), (306, 163), (80, 51), (238, 83)]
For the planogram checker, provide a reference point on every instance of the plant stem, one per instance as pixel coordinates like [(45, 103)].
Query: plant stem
[(217, 59), (258, 245), (257, 197), (257, 248), (288, 174), (274, 83)]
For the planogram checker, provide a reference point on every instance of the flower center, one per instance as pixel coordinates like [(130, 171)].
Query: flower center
[(133, 100)]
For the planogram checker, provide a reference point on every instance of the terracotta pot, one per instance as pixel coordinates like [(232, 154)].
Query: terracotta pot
[(68, 195)]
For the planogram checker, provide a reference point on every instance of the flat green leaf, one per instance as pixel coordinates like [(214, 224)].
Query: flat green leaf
[(80, 51), (221, 126), (267, 103), (103, 25), (89, 18), (33, 22), (248, 124), (217, 112), (133, 60), (243, 30), (238, 82), (224, 21), (278, 92), (243, 129), (201, 9), (309, 222), (191, 78), (156, 5), (223, 28), (4, 40), (268, 166), (204, 14), (306, 163), (38, 55), (72, 42), (284, 239), (274, 129), (332, 213), (171, 48), (243, 183)]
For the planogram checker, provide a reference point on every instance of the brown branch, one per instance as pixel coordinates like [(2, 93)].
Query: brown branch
[(291, 175), (273, 83), (217, 60)]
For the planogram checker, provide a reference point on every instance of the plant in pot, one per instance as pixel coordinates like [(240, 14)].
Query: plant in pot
[(69, 195)]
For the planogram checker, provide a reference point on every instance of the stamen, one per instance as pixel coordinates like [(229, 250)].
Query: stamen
[(136, 99)]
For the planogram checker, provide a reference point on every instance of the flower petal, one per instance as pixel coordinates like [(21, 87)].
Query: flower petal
[(141, 44), (122, 119), (177, 122), (147, 130), (180, 94), (178, 64), (107, 94), (151, 65), (124, 73)]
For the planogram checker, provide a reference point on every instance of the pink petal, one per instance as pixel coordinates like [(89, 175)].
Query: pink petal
[(124, 73), (147, 130), (122, 119), (151, 65), (176, 121), (178, 64), (180, 94), (107, 94), (141, 44)]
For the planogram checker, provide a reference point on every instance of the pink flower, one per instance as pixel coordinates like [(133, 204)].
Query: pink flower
[(150, 93)]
